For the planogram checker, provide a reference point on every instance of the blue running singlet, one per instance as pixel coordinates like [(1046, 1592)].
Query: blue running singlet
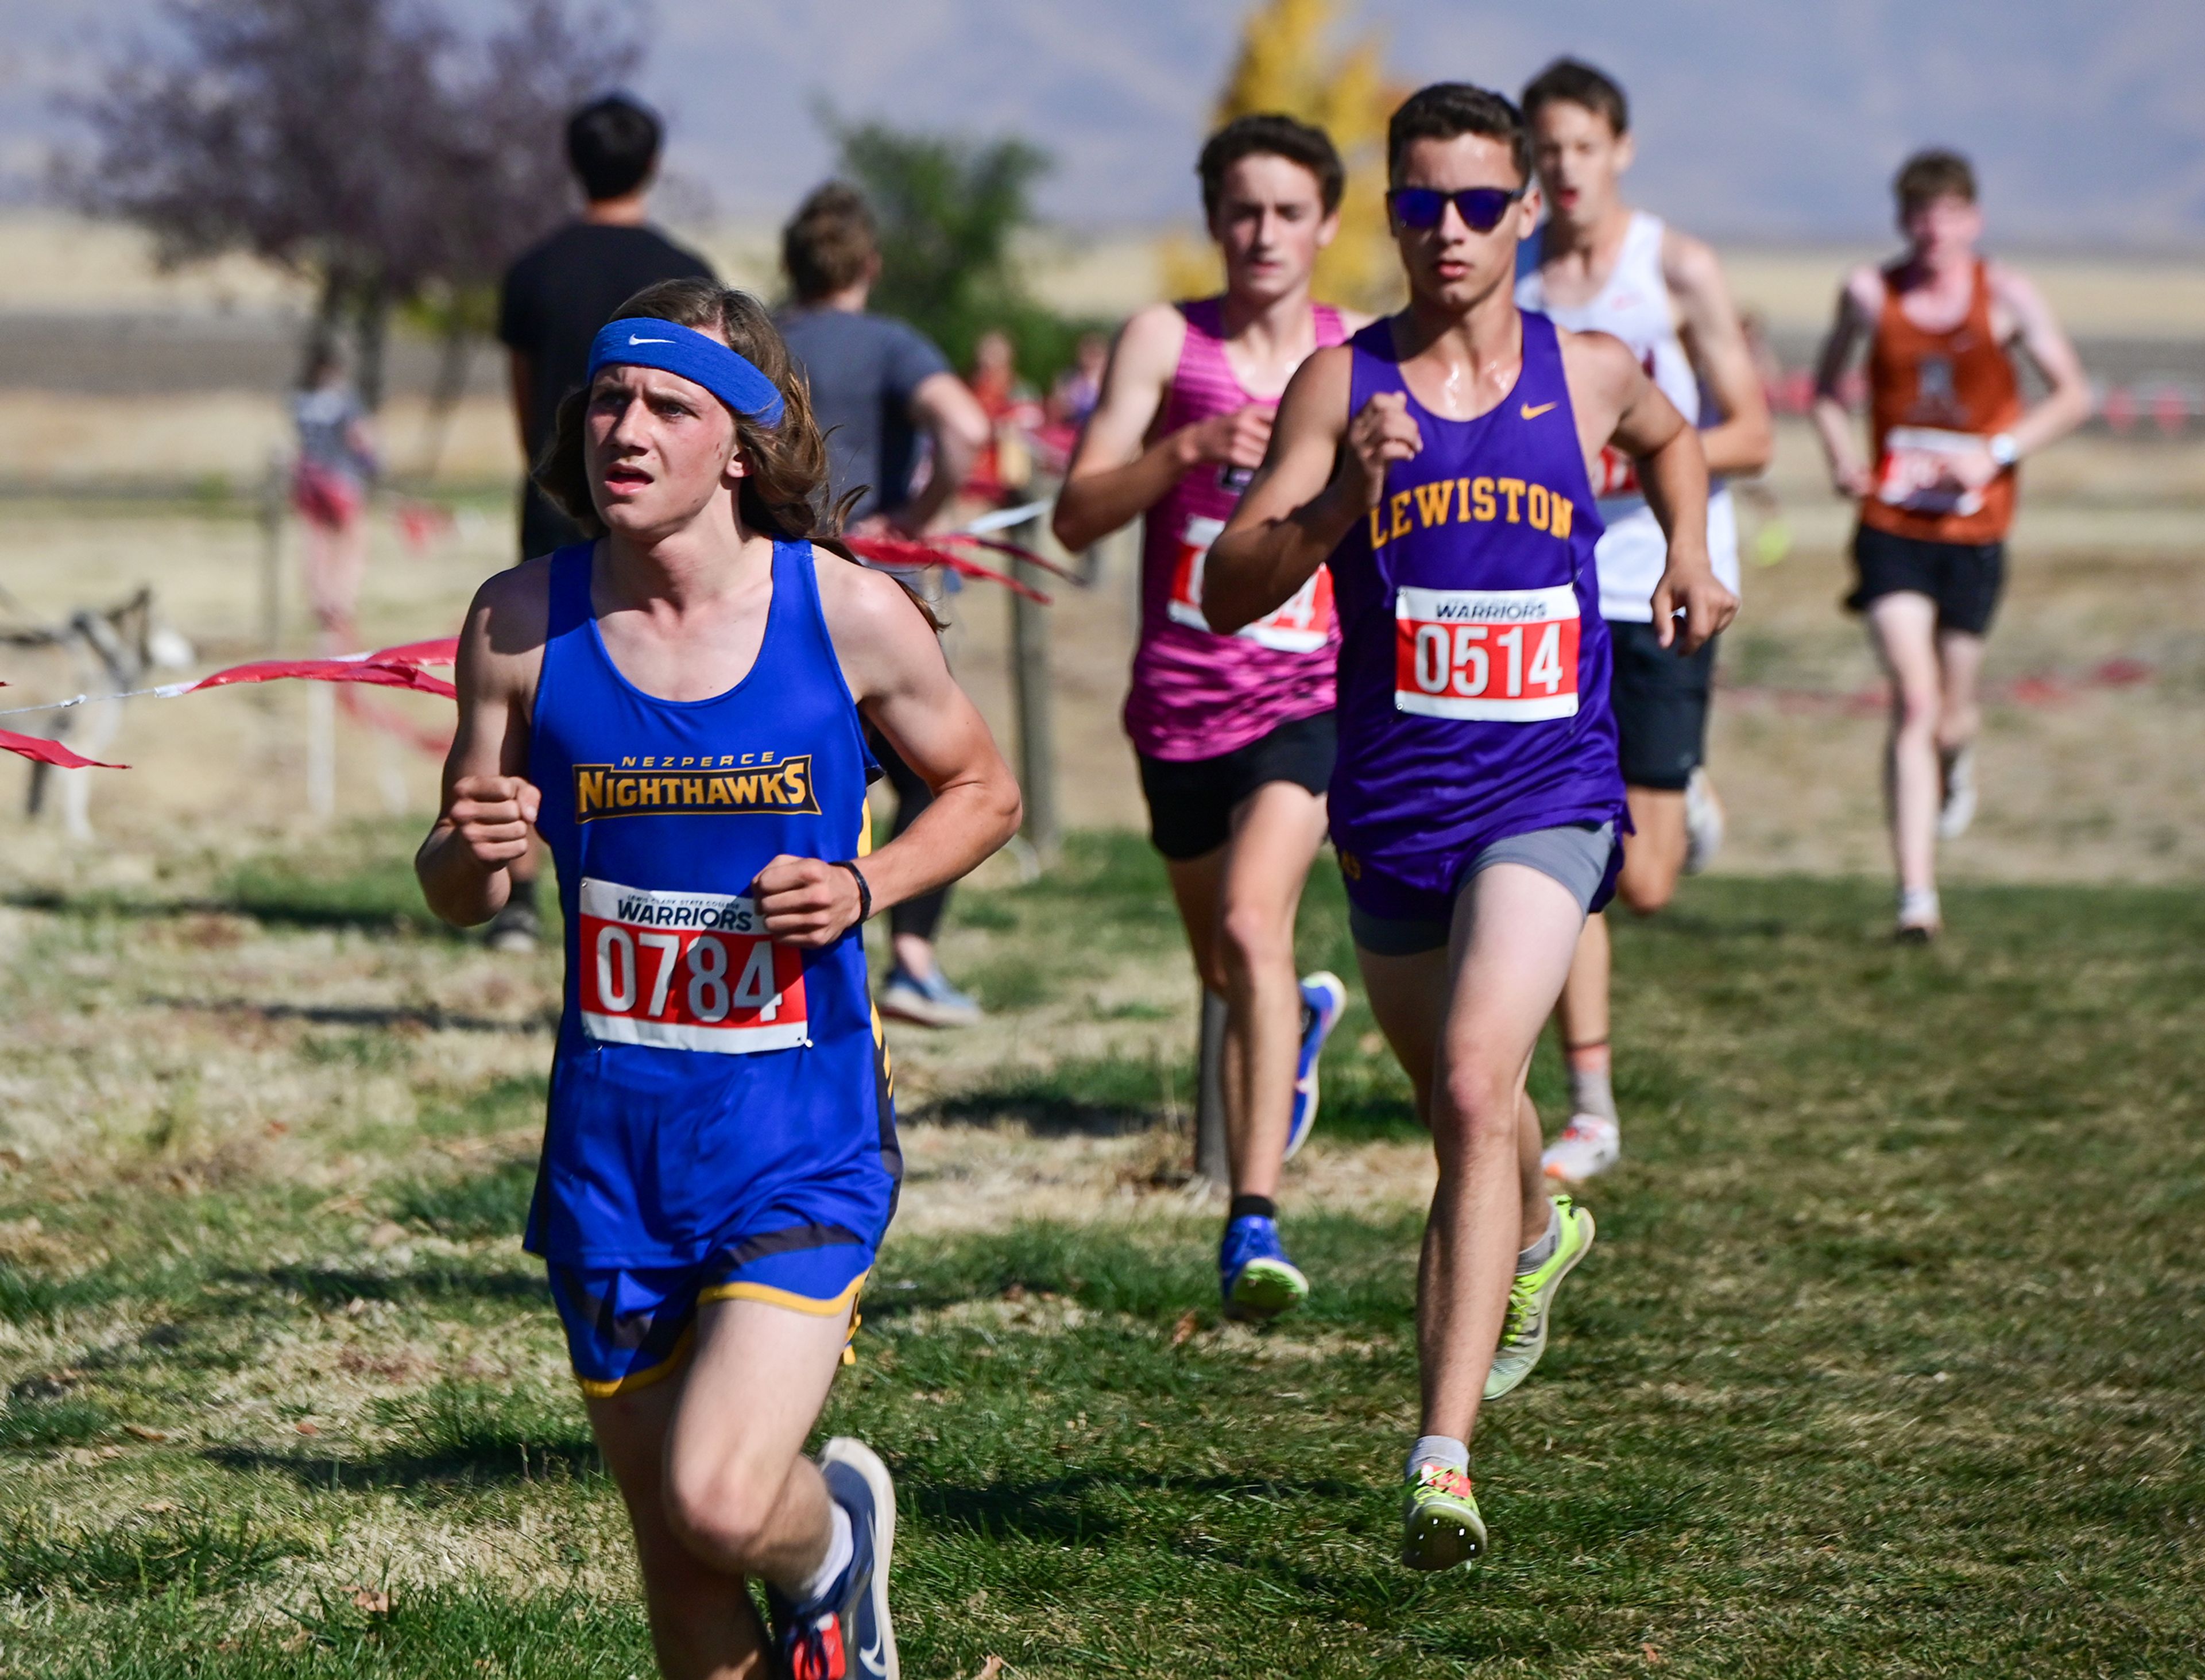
[(716, 1099), (1473, 660)]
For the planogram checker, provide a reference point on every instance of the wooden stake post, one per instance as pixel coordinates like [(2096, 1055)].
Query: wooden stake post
[(1030, 686)]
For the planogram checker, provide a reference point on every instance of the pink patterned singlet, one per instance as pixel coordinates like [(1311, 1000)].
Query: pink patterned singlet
[(1198, 694)]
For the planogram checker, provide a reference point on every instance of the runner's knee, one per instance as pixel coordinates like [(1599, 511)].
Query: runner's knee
[(720, 1508), (1957, 726), (1917, 711), (1254, 941), (1483, 1102), (1646, 890)]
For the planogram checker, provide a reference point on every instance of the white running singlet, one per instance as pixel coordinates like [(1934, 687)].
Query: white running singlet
[(1634, 306)]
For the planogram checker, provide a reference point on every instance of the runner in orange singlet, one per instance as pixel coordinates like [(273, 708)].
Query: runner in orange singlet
[(1948, 425)]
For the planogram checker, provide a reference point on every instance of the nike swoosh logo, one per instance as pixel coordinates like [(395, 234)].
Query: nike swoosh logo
[(871, 1658), (632, 339), (1531, 413)]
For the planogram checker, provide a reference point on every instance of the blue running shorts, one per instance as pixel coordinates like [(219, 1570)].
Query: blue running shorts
[(626, 1327)]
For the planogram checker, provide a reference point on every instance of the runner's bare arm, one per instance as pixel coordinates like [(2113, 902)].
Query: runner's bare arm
[(2066, 404), (1118, 471), (1858, 304), (892, 660), (1609, 389), (1324, 472), (488, 802), (1746, 440)]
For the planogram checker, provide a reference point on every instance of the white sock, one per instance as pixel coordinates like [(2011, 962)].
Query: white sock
[(1438, 1450), (1918, 905), (841, 1547), (1592, 1093), (1531, 1259)]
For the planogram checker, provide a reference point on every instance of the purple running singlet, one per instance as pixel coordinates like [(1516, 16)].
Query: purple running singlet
[(1473, 692), (1198, 694)]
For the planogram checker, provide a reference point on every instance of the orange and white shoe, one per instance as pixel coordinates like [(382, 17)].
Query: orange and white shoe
[(1589, 1146)]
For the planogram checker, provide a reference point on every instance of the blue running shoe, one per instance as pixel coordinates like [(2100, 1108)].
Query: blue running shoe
[(1323, 999), (931, 1002), (847, 1634), (1255, 1276)]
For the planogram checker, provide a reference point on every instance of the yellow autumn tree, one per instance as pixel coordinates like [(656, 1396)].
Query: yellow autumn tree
[(1290, 61)]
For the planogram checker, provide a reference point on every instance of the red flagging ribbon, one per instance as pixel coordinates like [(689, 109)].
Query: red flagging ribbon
[(44, 752), (894, 551), (382, 672)]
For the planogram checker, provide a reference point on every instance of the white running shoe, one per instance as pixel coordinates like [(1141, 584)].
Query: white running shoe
[(1959, 810), (1920, 918), (1704, 821), (1589, 1146)]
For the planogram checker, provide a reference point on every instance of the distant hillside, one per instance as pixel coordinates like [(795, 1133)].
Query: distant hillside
[(1756, 121)]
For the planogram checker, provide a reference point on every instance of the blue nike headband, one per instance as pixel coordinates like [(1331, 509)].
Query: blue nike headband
[(642, 341)]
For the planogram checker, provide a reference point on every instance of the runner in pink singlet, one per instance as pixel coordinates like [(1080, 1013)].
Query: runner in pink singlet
[(1198, 695), (1233, 731)]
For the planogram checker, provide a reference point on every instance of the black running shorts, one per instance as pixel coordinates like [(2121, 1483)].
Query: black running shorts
[(1963, 579), (1660, 704), (1190, 801)]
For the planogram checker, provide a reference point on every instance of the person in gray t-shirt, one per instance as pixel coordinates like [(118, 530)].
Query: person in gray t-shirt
[(878, 387), (881, 391)]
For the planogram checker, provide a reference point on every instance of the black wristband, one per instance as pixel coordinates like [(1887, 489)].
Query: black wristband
[(865, 891)]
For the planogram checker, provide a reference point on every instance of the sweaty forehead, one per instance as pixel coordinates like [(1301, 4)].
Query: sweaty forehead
[(1457, 162)]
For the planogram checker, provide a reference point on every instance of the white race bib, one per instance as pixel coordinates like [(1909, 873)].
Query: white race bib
[(1302, 624), (1504, 655), (686, 971), (1913, 473)]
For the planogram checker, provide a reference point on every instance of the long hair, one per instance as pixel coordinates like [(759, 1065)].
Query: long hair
[(784, 492)]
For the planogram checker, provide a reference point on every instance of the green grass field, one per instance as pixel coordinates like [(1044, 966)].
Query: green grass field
[(1891, 1359)]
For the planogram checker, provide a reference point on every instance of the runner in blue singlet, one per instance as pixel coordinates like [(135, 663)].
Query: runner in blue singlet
[(1439, 462), (679, 706)]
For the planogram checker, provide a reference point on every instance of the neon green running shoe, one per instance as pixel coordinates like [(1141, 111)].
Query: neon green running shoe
[(1440, 1527), (1531, 1301)]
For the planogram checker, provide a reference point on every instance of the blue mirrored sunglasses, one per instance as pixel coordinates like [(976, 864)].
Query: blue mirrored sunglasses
[(1480, 207)]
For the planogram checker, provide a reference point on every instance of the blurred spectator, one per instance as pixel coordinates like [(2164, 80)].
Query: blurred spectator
[(1080, 387), (329, 487), (884, 396), (1003, 469), (559, 292), (555, 298)]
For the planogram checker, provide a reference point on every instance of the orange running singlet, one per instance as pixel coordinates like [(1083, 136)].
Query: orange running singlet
[(1930, 393)]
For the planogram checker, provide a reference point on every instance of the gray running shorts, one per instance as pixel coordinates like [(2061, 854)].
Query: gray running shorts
[(1577, 854)]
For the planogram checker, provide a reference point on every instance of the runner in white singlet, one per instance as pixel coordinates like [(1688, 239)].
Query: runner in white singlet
[(1599, 266)]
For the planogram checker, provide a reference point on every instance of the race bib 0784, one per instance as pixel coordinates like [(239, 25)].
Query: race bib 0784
[(686, 971), (1505, 655), (1302, 624)]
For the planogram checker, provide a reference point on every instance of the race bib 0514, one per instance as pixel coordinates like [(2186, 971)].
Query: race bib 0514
[(686, 971), (1504, 655), (1302, 624)]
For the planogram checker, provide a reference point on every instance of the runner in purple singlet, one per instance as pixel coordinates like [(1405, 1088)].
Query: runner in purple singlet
[(1234, 729), (1440, 462)]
